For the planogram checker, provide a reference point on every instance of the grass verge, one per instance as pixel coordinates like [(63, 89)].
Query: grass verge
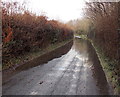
[(109, 67)]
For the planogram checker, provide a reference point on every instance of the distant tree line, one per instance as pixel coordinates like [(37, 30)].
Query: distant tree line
[(23, 31), (80, 26)]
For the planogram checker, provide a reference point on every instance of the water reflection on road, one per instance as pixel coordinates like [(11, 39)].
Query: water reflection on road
[(78, 72), (86, 50)]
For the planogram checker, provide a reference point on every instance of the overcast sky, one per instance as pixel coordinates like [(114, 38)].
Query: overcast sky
[(63, 10)]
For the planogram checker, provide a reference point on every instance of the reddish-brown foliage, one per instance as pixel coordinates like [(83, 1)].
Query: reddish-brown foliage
[(23, 31), (9, 35)]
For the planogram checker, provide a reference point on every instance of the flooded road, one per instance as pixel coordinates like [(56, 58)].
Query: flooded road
[(78, 72)]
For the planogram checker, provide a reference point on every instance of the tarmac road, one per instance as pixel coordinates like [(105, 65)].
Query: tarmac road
[(75, 73)]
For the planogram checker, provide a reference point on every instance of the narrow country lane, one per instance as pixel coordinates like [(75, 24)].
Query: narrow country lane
[(76, 73)]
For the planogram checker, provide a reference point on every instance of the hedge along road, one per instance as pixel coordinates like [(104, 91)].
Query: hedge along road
[(78, 72)]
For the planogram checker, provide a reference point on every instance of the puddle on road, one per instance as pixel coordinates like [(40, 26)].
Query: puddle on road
[(89, 56)]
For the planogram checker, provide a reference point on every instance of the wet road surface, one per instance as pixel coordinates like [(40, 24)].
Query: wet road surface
[(76, 73)]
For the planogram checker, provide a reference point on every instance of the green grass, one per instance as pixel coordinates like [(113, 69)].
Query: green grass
[(34, 54)]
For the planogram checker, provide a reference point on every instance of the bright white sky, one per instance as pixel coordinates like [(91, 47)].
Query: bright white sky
[(63, 10)]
